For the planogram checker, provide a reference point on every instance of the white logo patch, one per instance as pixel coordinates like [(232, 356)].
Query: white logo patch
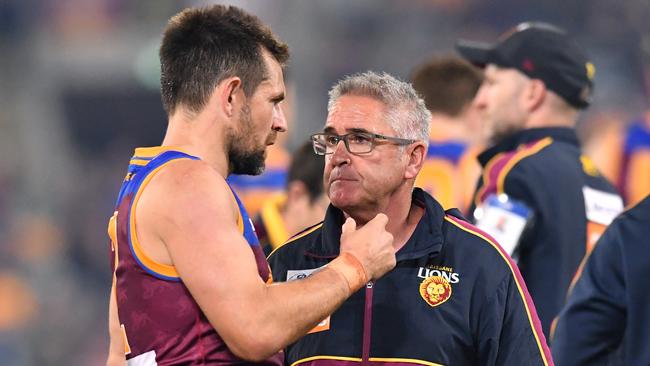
[(299, 274), (504, 219), (601, 207)]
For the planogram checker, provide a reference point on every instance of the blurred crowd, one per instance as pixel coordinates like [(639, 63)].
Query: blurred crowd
[(79, 91)]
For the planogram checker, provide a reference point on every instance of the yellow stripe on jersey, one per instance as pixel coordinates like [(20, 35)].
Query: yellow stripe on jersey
[(112, 234), (298, 236), (404, 360), (520, 155), (141, 256), (339, 358), (141, 162), (142, 155), (486, 179), (150, 152)]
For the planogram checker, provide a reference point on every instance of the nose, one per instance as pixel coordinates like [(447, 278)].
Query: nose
[(340, 155), (279, 122)]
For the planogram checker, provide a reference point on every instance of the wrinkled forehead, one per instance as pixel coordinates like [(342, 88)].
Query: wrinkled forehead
[(354, 112)]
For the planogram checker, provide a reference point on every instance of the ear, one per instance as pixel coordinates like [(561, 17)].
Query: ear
[(418, 153), (230, 94), (535, 94)]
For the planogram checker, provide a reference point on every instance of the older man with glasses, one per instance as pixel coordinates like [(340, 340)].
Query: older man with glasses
[(454, 298)]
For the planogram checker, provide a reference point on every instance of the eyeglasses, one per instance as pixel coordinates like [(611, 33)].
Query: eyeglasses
[(355, 142)]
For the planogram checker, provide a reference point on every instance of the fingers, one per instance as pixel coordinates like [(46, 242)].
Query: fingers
[(371, 244), (349, 226), (379, 222)]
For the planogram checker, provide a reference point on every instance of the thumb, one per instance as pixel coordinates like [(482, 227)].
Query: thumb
[(349, 226)]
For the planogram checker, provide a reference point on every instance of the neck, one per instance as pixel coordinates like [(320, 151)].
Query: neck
[(197, 135), (549, 115)]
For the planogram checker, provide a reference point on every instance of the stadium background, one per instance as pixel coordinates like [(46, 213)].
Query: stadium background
[(79, 90)]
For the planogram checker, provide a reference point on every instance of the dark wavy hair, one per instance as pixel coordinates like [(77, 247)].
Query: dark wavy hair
[(203, 46)]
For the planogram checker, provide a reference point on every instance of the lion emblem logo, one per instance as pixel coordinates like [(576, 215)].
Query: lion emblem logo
[(435, 290)]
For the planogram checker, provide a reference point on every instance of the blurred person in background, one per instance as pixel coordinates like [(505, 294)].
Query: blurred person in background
[(622, 151), (450, 171), (454, 297), (191, 284), (606, 319), (539, 196), (18, 313), (302, 205), (634, 177)]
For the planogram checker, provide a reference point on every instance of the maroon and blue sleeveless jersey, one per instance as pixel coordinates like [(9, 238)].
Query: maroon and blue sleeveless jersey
[(161, 323)]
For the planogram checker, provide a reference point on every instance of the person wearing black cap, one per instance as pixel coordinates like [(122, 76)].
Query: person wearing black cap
[(539, 196)]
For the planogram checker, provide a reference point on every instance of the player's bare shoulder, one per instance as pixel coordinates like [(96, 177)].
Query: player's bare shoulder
[(187, 191)]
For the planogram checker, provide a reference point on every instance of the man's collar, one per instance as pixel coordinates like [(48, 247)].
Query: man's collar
[(426, 239), (565, 134)]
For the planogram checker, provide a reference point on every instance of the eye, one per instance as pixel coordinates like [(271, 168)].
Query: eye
[(359, 138), (277, 100), (331, 139)]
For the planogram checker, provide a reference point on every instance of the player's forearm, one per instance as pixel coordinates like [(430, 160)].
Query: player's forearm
[(301, 305), (287, 311), (115, 359), (116, 346)]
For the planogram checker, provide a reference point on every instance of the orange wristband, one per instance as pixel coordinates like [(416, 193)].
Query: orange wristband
[(348, 266)]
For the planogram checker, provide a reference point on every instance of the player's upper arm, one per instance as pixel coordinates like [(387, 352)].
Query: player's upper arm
[(192, 210)]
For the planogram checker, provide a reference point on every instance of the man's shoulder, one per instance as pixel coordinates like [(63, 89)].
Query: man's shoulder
[(292, 256), (191, 180), (631, 227), (520, 163), (181, 172), (545, 155), (297, 243), (536, 167)]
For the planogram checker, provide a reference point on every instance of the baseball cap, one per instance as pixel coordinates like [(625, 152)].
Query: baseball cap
[(541, 51)]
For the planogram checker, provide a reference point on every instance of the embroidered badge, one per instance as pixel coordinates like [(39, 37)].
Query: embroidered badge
[(435, 290)]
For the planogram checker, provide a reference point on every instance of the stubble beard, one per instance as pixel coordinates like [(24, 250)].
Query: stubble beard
[(244, 157), (504, 131)]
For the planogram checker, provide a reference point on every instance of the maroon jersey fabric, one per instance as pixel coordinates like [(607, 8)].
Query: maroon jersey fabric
[(161, 323)]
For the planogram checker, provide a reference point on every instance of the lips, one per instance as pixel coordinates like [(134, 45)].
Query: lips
[(338, 175)]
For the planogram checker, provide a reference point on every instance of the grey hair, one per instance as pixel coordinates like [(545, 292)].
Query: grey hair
[(406, 112)]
